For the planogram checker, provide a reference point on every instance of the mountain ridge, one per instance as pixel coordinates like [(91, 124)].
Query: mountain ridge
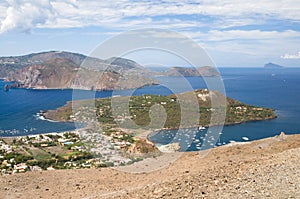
[(59, 69)]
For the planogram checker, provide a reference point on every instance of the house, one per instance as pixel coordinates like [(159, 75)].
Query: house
[(35, 168), (50, 168), (68, 143), (6, 148), (20, 167)]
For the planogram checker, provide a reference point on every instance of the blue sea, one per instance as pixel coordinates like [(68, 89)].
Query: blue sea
[(274, 88)]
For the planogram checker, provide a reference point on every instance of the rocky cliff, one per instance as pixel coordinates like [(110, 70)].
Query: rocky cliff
[(58, 69), (71, 70)]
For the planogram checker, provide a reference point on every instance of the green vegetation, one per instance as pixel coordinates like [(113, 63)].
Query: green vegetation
[(139, 110), (68, 150), (43, 151)]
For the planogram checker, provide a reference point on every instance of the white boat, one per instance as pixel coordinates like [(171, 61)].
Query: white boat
[(201, 128), (245, 138)]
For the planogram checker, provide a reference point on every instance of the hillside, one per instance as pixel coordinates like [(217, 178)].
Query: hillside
[(261, 169), (59, 69), (140, 106), (52, 69), (207, 71)]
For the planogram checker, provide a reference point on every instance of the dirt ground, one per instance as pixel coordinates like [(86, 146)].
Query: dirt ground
[(266, 168)]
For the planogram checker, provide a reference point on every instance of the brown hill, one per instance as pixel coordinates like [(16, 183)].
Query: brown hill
[(58, 69), (266, 168)]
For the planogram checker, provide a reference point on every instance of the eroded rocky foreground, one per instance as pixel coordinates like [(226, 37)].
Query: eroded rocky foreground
[(266, 168)]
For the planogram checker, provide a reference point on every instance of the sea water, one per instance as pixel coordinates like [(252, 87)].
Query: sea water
[(273, 88)]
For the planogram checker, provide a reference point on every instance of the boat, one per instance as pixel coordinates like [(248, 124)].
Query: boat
[(201, 128), (6, 87)]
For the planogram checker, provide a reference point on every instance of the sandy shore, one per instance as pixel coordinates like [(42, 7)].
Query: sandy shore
[(266, 168)]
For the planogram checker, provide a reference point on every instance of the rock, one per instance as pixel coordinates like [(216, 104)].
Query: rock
[(281, 136), (142, 146), (169, 148)]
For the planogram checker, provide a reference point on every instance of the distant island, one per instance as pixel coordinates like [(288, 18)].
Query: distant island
[(272, 66), (60, 70), (206, 71)]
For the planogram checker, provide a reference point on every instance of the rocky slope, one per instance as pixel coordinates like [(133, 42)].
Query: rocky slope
[(266, 168), (58, 69), (71, 70)]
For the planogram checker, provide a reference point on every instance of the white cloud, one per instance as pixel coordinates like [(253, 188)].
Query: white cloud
[(3, 8), (22, 15), (202, 20), (255, 43), (25, 14), (229, 13), (288, 56), (219, 36)]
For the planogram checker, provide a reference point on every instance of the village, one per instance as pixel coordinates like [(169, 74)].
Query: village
[(83, 148), (109, 139)]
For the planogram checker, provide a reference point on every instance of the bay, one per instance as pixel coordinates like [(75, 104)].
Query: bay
[(274, 88)]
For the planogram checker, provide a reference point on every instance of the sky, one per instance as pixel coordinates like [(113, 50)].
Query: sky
[(242, 33)]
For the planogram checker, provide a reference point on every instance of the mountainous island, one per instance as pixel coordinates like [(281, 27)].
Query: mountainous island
[(59, 70), (52, 70), (206, 71), (273, 66)]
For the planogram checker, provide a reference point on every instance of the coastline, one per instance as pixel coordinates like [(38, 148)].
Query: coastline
[(144, 134), (208, 126), (224, 171), (32, 135), (70, 88)]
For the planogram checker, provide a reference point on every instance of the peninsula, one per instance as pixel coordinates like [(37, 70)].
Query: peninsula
[(103, 143), (139, 107)]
